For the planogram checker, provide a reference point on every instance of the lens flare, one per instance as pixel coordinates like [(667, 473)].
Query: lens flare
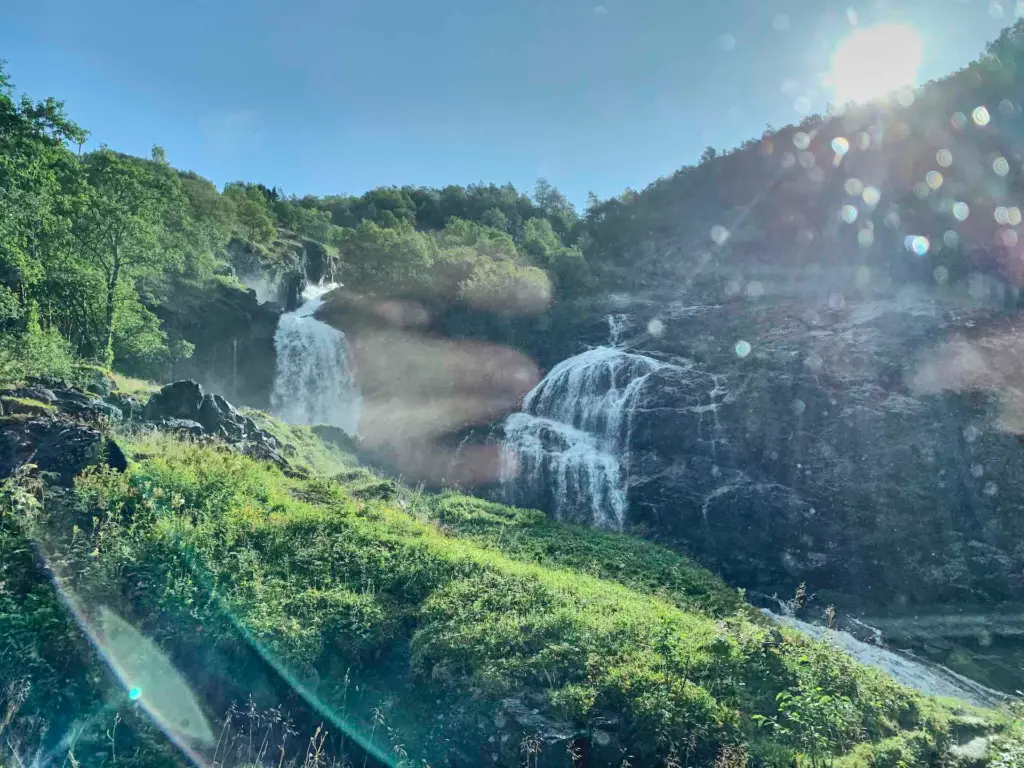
[(871, 62)]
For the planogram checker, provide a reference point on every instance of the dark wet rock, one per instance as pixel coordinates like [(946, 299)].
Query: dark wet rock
[(233, 334), (810, 457), (219, 418), (177, 400), (180, 407), (55, 445), (34, 392), (130, 407), (66, 399), (185, 427), (12, 406), (101, 384), (263, 450)]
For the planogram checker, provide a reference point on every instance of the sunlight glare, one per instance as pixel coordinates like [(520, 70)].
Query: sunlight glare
[(872, 62)]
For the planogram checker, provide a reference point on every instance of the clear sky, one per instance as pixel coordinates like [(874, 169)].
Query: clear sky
[(338, 96)]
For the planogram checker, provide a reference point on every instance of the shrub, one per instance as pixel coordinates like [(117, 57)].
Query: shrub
[(36, 352)]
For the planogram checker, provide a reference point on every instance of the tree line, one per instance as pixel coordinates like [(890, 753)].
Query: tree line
[(91, 243)]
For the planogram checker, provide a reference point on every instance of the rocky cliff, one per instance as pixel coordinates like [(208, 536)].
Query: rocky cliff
[(784, 442), (233, 334)]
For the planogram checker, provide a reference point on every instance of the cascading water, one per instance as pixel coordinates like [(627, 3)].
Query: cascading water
[(313, 383), (566, 445), (616, 327)]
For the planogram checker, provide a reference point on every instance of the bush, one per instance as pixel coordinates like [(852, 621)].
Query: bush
[(506, 287), (36, 352)]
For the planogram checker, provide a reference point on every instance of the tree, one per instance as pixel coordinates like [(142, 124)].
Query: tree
[(555, 206), (38, 174), (388, 260), (486, 240), (494, 218), (119, 223), (250, 209), (546, 249), (709, 154)]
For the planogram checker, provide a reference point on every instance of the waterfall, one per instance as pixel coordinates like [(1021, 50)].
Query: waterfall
[(932, 679), (313, 383), (564, 450), (616, 327)]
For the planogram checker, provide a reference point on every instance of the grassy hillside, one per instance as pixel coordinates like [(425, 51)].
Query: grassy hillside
[(418, 627)]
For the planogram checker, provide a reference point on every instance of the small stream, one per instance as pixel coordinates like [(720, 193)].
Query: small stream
[(921, 675)]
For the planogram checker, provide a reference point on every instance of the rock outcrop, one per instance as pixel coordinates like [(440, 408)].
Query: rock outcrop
[(782, 442), (183, 406), (58, 427), (233, 335), (60, 446)]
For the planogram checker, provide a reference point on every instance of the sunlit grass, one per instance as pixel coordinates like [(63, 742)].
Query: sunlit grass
[(447, 604), (140, 388)]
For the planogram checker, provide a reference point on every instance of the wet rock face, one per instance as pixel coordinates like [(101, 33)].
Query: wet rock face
[(55, 445), (783, 443), (233, 334), (56, 427)]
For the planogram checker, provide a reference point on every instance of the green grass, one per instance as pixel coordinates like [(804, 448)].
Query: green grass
[(374, 599), (14, 405), (310, 451), (139, 388)]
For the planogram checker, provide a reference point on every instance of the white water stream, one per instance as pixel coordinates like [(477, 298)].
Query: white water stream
[(313, 383), (921, 675), (573, 433)]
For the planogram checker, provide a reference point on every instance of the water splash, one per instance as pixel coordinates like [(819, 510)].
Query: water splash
[(616, 327), (932, 679), (568, 443), (313, 383)]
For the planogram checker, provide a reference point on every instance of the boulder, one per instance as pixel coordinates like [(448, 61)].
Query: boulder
[(100, 383), (262, 449), (69, 400), (25, 406), (34, 392), (184, 427), (177, 400), (129, 406), (219, 418), (55, 445)]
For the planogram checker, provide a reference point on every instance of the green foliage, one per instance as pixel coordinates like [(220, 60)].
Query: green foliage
[(309, 222), (141, 346), (566, 264), (527, 535), (35, 352), (35, 168), (389, 260), (423, 599), (505, 287), (1008, 749), (250, 211), (94, 244)]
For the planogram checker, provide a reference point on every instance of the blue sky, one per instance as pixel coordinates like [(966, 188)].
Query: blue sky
[(329, 97)]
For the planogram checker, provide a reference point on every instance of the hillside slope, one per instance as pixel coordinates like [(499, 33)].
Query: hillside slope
[(228, 598)]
